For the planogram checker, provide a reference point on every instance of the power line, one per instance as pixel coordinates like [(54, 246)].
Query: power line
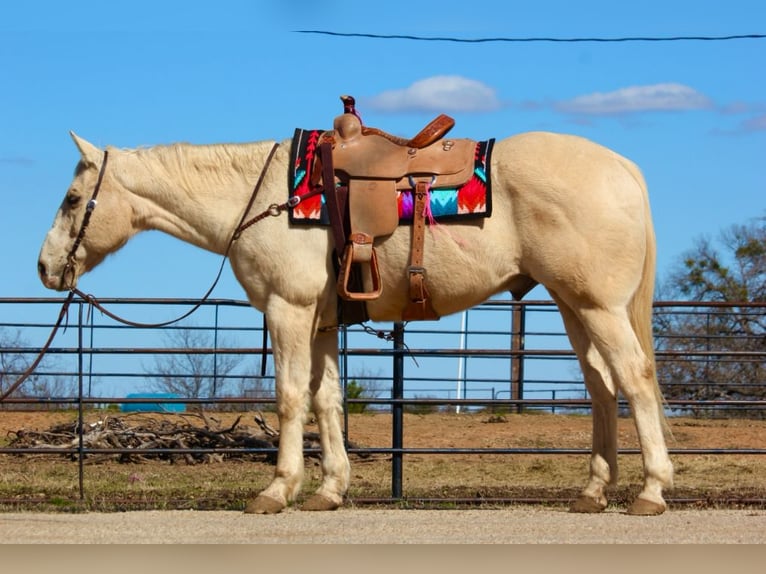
[(536, 39)]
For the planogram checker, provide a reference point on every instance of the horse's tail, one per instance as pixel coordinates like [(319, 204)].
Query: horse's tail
[(641, 305)]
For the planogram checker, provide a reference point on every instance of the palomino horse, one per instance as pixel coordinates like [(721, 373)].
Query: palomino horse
[(567, 213)]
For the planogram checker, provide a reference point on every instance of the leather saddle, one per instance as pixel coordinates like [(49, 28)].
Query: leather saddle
[(368, 168)]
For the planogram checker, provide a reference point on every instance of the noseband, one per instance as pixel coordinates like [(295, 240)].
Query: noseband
[(89, 207)]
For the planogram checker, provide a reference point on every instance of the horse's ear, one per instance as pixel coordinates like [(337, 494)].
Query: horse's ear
[(90, 153)]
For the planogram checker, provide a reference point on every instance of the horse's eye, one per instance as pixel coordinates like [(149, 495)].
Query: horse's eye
[(72, 199)]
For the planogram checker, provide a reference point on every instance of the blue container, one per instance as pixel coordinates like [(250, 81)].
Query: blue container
[(153, 407)]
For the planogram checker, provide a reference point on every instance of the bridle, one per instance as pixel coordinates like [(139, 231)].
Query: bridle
[(272, 210), (89, 208)]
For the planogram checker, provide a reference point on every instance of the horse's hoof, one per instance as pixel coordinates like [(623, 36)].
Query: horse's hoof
[(264, 505), (644, 507), (588, 505), (320, 502)]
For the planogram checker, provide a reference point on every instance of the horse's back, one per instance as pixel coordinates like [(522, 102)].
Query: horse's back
[(554, 165)]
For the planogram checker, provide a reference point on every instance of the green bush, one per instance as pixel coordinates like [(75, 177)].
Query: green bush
[(355, 391)]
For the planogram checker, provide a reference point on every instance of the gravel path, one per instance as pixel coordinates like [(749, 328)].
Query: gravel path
[(374, 526)]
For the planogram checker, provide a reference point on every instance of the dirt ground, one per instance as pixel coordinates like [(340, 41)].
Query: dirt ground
[(509, 525), (482, 430), (709, 480)]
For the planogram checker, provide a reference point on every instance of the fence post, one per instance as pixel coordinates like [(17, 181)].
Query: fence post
[(215, 355), (80, 414), (397, 393), (518, 320)]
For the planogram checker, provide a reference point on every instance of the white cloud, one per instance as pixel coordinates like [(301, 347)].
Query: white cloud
[(755, 124), (437, 94), (657, 97)]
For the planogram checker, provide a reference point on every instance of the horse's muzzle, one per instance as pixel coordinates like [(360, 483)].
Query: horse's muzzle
[(55, 282)]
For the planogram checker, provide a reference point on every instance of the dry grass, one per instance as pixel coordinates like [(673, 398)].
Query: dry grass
[(52, 481)]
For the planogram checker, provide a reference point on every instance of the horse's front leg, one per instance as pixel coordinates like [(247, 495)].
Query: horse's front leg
[(327, 402), (291, 331)]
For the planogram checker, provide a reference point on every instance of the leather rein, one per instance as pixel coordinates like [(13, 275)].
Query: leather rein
[(273, 210)]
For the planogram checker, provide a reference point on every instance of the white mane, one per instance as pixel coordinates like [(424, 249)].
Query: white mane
[(202, 167)]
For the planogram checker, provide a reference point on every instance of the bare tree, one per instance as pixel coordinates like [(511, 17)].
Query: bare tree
[(196, 370), (733, 275), (14, 362)]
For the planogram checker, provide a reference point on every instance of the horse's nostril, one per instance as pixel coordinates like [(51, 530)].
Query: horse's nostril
[(41, 269)]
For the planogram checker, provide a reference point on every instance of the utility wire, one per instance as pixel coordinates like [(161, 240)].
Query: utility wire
[(536, 39)]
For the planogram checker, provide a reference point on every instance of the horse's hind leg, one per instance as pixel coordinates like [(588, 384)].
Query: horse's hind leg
[(290, 328), (328, 406), (598, 381), (611, 331)]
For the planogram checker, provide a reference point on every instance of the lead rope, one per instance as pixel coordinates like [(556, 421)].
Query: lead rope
[(62, 314)]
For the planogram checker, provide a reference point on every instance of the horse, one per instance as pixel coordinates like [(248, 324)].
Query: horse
[(567, 213)]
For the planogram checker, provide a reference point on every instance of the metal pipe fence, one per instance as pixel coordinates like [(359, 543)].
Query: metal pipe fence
[(502, 356)]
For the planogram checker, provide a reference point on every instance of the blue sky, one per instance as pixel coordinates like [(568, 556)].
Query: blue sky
[(691, 114)]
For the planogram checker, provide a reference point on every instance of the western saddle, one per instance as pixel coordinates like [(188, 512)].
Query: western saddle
[(366, 168)]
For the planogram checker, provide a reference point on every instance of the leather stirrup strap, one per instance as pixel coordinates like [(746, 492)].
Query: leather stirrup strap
[(419, 307), (334, 209), (349, 312)]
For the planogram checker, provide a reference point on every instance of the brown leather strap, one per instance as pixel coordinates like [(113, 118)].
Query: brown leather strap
[(349, 312), (419, 307), (335, 210)]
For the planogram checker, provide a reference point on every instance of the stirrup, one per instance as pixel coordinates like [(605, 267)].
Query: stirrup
[(367, 258)]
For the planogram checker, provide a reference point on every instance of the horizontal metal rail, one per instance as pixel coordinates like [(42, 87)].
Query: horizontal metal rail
[(527, 344)]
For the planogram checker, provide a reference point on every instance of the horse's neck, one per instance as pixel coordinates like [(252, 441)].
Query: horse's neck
[(195, 193)]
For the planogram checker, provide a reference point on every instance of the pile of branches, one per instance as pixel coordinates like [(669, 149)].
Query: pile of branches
[(191, 438)]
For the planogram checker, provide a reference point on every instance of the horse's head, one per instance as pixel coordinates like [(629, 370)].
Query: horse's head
[(72, 247)]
